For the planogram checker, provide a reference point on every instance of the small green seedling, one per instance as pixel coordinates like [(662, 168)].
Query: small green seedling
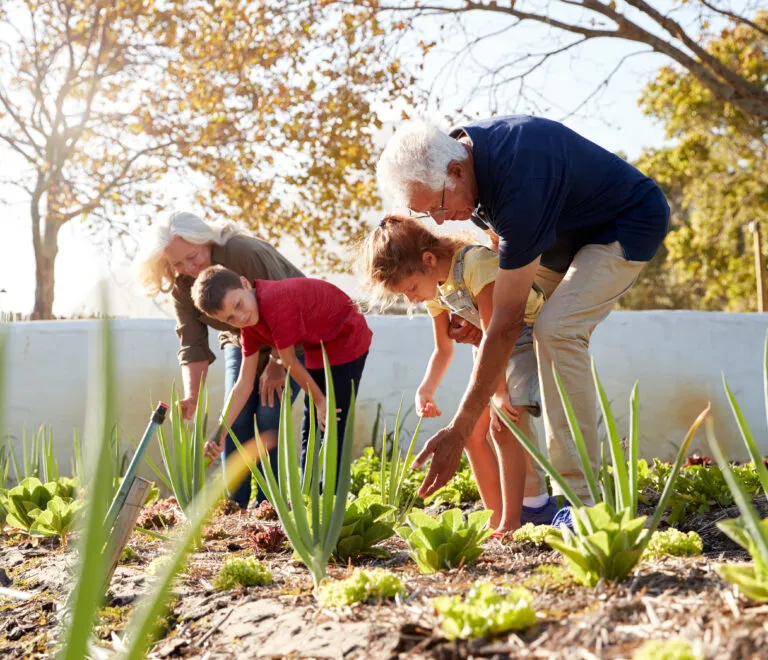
[(361, 586), (448, 541), (672, 542), (246, 572), (530, 533), (485, 611), (673, 649)]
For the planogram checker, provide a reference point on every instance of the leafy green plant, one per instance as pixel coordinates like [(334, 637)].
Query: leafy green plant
[(673, 542), (246, 572), (699, 488), (362, 585), (312, 525), (448, 541), (460, 489), (605, 544), (364, 470), (485, 611), (182, 450), (58, 519), (673, 649), (363, 528), (530, 533), (26, 502), (609, 538)]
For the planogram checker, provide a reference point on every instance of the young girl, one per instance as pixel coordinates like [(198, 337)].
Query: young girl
[(452, 275)]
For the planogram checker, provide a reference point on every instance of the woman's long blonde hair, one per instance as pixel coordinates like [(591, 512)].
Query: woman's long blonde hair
[(395, 250), (151, 269)]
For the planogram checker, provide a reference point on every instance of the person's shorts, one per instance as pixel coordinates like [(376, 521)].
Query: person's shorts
[(523, 374)]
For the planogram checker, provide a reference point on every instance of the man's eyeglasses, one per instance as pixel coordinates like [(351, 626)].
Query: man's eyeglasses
[(432, 214)]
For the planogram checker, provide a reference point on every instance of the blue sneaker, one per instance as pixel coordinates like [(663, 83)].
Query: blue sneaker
[(541, 515), (564, 517)]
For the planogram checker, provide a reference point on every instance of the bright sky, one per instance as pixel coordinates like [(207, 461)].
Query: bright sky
[(613, 120)]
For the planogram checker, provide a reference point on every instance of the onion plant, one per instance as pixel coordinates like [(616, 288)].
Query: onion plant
[(608, 538), (311, 516), (394, 470), (182, 450), (749, 531), (37, 456)]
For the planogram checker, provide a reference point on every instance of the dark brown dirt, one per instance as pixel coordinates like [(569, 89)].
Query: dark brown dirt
[(661, 600)]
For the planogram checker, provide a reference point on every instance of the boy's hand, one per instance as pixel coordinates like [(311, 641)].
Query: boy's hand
[(214, 447), (425, 405), (501, 400), (322, 411), (271, 383), (188, 407)]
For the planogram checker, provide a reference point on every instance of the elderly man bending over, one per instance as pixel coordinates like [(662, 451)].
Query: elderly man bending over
[(576, 218)]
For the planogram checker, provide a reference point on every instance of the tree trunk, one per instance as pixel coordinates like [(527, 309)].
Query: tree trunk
[(46, 246)]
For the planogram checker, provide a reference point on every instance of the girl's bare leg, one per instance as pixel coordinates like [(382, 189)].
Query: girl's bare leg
[(482, 459), (512, 468)]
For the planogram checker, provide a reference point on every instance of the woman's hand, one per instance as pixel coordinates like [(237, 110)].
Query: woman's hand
[(425, 404), (271, 383), (188, 407)]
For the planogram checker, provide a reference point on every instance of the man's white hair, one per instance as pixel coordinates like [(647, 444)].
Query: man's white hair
[(151, 269), (418, 152)]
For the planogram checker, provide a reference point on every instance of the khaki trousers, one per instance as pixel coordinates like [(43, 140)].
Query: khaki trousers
[(576, 302)]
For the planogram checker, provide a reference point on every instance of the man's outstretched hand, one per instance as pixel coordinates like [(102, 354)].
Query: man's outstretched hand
[(445, 448)]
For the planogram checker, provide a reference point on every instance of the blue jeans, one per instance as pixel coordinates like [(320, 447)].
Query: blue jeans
[(343, 375), (267, 419)]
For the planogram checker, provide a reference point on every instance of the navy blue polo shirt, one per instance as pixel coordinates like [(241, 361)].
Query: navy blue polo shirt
[(546, 190)]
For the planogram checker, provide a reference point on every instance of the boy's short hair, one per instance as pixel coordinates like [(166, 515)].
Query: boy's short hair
[(211, 287)]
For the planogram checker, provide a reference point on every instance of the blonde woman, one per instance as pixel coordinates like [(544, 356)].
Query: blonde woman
[(173, 252)]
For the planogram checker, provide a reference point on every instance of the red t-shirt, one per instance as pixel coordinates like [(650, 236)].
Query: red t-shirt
[(307, 311)]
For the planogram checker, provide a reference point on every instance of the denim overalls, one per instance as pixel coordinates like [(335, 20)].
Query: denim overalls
[(522, 371)]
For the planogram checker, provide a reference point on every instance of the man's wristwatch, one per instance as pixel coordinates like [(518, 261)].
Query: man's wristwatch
[(276, 359)]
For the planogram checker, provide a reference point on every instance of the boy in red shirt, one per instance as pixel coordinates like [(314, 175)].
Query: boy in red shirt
[(283, 314)]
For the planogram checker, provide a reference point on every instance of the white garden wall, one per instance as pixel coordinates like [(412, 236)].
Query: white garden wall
[(676, 356)]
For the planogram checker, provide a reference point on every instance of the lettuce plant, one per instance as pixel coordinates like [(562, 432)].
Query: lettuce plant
[(447, 541), (485, 611), (247, 572), (312, 519), (609, 538), (362, 585), (58, 519), (461, 488), (530, 533), (27, 501), (673, 542), (673, 649), (364, 526)]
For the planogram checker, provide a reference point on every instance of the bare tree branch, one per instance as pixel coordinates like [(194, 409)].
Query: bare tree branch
[(735, 17)]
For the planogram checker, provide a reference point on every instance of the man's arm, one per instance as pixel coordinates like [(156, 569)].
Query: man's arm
[(509, 298)]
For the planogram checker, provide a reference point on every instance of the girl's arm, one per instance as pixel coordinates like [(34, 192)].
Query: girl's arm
[(438, 364)]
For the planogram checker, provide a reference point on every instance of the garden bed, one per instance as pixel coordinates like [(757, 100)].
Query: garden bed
[(662, 599)]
